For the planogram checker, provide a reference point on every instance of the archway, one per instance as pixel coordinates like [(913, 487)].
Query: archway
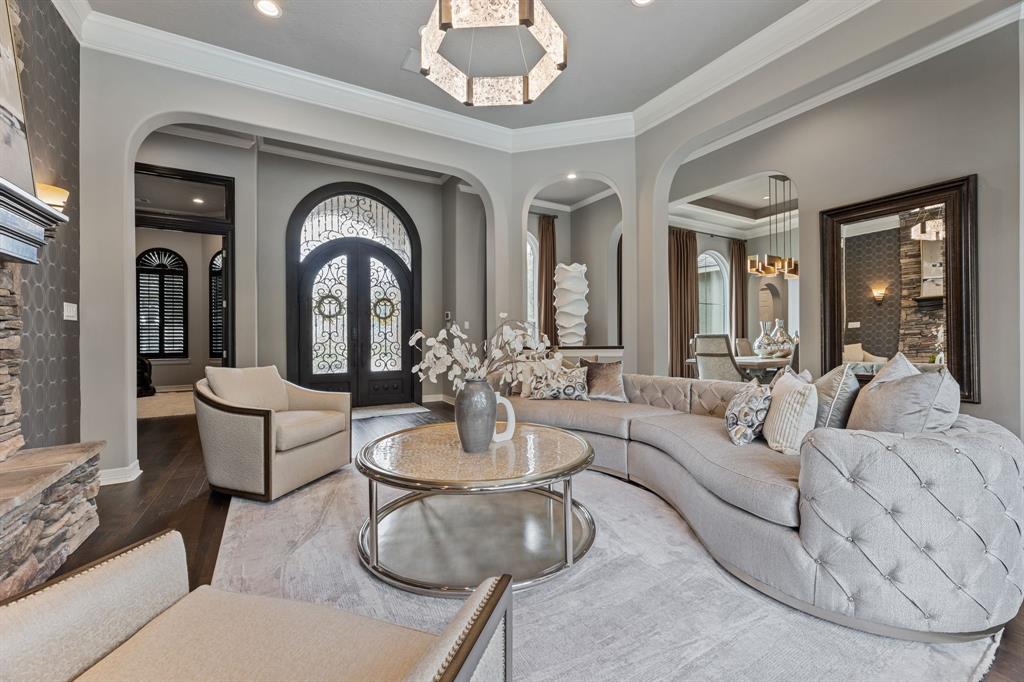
[(353, 293)]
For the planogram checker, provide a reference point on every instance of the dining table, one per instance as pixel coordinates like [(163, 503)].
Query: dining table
[(756, 365)]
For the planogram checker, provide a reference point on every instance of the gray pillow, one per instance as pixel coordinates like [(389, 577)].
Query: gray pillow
[(604, 381), (745, 415), (837, 392), (902, 399)]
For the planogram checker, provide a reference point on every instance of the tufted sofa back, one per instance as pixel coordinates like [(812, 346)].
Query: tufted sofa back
[(694, 396)]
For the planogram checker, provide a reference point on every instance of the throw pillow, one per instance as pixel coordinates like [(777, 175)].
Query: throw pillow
[(745, 415), (791, 415), (837, 391), (604, 381), (902, 399), (565, 384), (804, 376), (260, 387)]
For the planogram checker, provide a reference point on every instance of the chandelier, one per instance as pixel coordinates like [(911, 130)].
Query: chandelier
[(780, 234), (930, 224), (492, 90)]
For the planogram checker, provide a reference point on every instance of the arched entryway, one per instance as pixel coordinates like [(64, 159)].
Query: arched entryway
[(353, 294)]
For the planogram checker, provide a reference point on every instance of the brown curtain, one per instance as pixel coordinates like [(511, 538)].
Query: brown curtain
[(546, 275), (682, 299), (738, 287)]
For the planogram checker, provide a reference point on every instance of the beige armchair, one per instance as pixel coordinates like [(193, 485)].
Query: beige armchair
[(263, 437), (131, 617)]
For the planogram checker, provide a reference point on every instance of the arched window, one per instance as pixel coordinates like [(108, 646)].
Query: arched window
[(161, 283), (532, 272), (354, 215), (217, 305), (712, 294)]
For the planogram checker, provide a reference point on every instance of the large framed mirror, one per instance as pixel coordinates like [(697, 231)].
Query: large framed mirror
[(900, 274)]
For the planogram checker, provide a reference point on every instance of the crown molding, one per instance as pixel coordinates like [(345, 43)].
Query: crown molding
[(802, 25), (271, 148), (980, 28), (73, 12), (550, 206), (592, 199), (237, 141)]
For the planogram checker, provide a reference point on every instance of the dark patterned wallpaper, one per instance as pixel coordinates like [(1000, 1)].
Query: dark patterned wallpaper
[(50, 83), (873, 259)]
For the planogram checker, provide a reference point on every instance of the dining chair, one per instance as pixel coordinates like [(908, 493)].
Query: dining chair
[(744, 347), (715, 360)]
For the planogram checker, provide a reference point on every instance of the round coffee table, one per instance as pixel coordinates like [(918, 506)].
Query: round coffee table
[(470, 516)]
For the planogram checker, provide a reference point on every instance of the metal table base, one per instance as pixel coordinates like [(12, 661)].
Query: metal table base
[(443, 544)]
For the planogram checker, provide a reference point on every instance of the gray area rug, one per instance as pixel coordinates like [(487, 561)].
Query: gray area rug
[(646, 603)]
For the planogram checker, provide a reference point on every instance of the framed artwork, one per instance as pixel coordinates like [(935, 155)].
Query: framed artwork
[(15, 161)]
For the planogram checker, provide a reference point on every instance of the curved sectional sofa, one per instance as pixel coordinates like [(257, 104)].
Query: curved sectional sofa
[(916, 536)]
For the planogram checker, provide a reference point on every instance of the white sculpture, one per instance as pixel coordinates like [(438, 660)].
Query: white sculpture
[(571, 303)]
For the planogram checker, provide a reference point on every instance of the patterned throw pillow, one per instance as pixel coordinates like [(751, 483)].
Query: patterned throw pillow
[(565, 384), (745, 415), (792, 414)]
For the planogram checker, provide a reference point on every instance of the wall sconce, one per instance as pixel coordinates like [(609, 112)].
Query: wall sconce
[(55, 197), (878, 293)]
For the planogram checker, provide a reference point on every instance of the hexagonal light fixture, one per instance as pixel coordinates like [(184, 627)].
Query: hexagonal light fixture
[(492, 90)]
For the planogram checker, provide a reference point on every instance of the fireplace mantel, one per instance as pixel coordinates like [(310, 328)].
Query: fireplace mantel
[(24, 221)]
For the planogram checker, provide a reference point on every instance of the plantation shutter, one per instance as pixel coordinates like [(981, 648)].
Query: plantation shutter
[(162, 308), (217, 306)]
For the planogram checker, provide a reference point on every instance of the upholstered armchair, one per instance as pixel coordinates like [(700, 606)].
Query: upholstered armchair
[(715, 359), (263, 437), (131, 617), (744, 347)]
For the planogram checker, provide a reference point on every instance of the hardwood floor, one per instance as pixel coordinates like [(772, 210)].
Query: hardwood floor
[(172, 492)]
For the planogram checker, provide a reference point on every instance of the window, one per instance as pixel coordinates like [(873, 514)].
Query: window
[(532, 271), (217, 305), (161, 278), (712, 297), (354, 215)]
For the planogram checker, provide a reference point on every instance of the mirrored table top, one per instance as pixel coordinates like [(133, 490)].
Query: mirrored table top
[(430, 457)]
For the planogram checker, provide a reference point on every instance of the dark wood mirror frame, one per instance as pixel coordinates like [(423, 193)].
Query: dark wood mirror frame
[(961, 273)]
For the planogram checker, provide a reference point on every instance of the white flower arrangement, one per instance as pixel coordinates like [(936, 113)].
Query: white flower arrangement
[(451, 354)]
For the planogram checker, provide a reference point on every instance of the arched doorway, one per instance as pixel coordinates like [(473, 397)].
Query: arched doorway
[(353, 290)]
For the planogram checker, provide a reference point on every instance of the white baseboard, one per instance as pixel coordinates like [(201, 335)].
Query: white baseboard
[(438, 398), (120, 474), (174, 389)]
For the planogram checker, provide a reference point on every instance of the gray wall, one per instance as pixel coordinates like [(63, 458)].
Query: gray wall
[(595, 231), (951, 116), (50, 86), (197, 250), (283, 183)]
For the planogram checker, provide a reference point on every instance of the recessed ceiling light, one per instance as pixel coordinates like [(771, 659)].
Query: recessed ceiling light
[(198, 200), (570, 176), (642, 3), (766, 197), (268, 8)]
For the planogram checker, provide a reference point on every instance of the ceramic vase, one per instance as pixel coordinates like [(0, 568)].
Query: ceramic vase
[(476, 413), (571, 303), (764, 344)]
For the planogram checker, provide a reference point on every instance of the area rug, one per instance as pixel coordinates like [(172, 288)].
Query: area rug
[(169, 404), (386, 410), (646, 603)]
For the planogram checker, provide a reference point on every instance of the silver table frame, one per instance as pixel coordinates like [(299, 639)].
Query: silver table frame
[(368, 539)]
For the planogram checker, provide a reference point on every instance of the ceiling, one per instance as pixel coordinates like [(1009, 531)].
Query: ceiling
[(620, 56), (736, 206), (570, 192)]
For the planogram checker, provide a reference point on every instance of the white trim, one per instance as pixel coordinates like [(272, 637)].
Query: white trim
[(120, 474), (976, 30), (435, 398), (592, 199), (760, 229), (237, 141), (178, 388), (74, 13), (802, 25), (326, 159), (551, 205)]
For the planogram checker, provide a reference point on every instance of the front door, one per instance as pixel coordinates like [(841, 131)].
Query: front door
[(355, 319)]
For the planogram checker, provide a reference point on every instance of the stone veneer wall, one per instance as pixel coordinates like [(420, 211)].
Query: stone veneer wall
[(49, 376), (11, 439), (917, 325)]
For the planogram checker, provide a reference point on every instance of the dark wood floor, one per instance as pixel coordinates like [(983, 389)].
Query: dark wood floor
[(172, 492)]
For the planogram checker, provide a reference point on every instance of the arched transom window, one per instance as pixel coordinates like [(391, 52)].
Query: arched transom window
[(712, 297), (354, 215)]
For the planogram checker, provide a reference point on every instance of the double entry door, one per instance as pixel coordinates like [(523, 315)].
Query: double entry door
[(355, 320)]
